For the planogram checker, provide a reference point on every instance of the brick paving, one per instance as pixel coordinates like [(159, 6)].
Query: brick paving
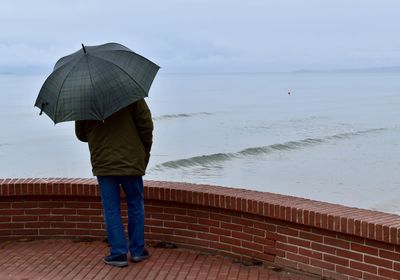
[(66, 259)]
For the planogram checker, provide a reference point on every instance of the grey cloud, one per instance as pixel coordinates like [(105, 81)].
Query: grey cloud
[(205, 35)]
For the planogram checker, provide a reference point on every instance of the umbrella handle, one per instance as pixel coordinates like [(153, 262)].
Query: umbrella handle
[(42, 107), (84, 49)]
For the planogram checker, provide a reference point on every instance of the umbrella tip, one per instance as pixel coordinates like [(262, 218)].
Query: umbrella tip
[(83, 47), (44, 104)]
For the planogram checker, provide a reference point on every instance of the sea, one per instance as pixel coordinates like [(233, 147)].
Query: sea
[(327, 136)]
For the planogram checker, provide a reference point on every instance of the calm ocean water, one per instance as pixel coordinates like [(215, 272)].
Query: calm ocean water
[(335, 138)]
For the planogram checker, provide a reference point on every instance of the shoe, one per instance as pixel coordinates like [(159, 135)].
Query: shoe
[(120, 261), (145, 255)]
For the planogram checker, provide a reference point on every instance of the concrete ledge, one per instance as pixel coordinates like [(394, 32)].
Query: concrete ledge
[(326, 239)]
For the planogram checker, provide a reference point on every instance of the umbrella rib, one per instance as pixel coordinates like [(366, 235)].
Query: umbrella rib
[(59, 92), (130, 52), (133, 79), (90, 75)]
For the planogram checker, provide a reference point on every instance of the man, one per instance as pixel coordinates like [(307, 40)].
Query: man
[(120, 151)]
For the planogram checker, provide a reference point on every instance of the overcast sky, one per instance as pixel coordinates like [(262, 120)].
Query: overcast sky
[(206, 35)]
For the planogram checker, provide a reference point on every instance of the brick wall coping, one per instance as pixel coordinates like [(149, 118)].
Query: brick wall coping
[(363, 223)]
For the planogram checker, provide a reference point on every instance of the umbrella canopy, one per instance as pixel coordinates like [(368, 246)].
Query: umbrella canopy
[(95, 82)]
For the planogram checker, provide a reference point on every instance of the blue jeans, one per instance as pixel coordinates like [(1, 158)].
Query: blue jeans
[(110, 188)]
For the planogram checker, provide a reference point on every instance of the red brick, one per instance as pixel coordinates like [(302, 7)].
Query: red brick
[(287, 247), (389, 273), (336, 260), (220, 231), (199, 214), (379, 232), (37, 211), (263, 241), (299, 242), (24, 204), (63, 224), (364, 267), (5, 205), (396, 266), (51, 204), (298, 258), (76, 204), (310, 253), (223, 218), (240, 221), (254, 231), (98, 205), (187, 233), (199, 228), (274, 251), (77, 218), (176, 211), (322, 248), (220, 246), (164, 217), (207, 236), (51, 218), (242, 236), (173, 224), (389, 255), (265, 226), (349, 254), (11, 212), (378, 261), (252, 245), (364, 249), (51, 231), (95, 219), (234, 227), (37, 225), (24, 218), (186, 219), (311, 236), (11, 225), (25, 231), (288, 231), (394, 235), (88, 212), (63, 211), (6, 219), (368, 276), (208, 222), (199, 243), (336, 242), (232, 241), (168, 231), (349, 271), (386, 234), (275, 236)]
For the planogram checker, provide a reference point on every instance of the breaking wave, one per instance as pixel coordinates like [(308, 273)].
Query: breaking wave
[(177, 116), (212, 159)]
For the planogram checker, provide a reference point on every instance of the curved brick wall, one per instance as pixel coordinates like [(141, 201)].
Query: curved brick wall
[(321, 238)]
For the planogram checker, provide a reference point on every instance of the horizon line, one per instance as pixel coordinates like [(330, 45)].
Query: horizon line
[(298, 71)]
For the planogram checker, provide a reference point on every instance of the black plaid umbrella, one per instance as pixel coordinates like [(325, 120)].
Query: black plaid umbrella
[(95, 82)]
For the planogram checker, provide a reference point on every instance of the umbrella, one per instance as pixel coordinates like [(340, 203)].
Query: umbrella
[(95, 82)]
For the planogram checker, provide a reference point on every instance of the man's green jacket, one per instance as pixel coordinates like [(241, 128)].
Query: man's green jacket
[(119, 145)]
